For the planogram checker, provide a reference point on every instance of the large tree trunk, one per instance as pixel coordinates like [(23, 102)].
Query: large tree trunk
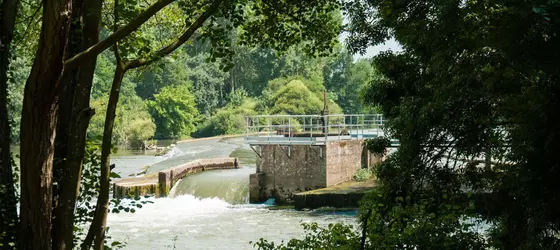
[(98, 226), (74, 118), (8, 211), (103, 200), (60, 174), (38, 126)]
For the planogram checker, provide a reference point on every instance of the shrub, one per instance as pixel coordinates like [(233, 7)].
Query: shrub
[(378, 145), (133, 123), (228, 120), (174, 111), (362, 175)]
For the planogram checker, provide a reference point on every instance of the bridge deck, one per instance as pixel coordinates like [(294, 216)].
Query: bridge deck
[(312, 129), (292, 140)]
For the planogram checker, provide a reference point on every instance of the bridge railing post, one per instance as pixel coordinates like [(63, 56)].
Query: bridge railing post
[(290, 130)]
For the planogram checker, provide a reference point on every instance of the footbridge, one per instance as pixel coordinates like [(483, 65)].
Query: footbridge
[(297, 153)]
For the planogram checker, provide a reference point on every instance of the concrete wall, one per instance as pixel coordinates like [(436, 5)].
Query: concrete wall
[(168, 178), (138, 190), (344, 159), (306, 168), (281, 175), (161, 184)]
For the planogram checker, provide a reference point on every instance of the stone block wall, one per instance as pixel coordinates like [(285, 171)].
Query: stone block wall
[(344, 159), (281, 175), (282, 172)]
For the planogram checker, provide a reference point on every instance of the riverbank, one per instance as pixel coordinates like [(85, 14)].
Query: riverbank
[(343, 195)]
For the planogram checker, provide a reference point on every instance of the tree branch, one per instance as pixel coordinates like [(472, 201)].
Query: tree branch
[(119, 34), (180, 41), (32, 22), (291, 15)]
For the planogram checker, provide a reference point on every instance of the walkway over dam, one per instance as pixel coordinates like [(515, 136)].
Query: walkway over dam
[(297, 153)]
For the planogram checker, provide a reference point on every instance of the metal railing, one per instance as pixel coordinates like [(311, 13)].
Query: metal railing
[(311, 129)]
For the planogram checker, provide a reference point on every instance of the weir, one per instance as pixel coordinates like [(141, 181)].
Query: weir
[(160, 184), (298, 153)]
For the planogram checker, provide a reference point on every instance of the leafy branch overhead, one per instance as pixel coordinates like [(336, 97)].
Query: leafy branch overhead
[(378, 146)]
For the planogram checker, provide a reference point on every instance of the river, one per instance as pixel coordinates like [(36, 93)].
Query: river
[(209, 210)]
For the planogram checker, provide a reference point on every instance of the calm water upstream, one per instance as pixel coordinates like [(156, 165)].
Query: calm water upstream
[(209, 210)]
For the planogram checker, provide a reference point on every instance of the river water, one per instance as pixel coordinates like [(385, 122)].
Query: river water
[(209, 210)]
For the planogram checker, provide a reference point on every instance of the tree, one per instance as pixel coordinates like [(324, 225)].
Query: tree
[(208, 82), (336, 70), (472, 101), (294, 96), (174, 110), (347, 79), (360, 74), (229, 119), (133, 122), (47, 82), (8, 212), (297, 63)]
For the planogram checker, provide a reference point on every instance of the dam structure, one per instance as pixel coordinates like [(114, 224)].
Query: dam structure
[(298, 153)]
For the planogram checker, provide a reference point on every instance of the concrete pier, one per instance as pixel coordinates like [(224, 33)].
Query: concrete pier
[(284, 170), (161, 183), (343, 195)]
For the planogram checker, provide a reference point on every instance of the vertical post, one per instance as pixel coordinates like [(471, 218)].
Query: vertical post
[(304, 118), (362, 125), (290, 130), (325, 114), (338, 121), (380, 123)]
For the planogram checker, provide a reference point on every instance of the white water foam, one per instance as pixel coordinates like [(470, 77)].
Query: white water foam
[(172, 152), (193, 151), (174, 189), (169, 212), (206, 223)]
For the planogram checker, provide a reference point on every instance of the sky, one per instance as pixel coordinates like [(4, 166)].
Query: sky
[(391, 44), (372, 51)]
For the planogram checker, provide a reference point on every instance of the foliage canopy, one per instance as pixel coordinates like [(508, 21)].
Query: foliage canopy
[(175, 112)]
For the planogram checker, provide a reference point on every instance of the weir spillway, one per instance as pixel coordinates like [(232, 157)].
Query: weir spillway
[(160, 184)]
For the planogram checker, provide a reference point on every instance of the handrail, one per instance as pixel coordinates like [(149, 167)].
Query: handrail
[(310, 129)]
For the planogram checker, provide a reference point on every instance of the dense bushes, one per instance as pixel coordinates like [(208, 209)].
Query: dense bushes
[(133, 123), (362, 175), (175, 112), (289, 96), (228, 120), (295, 96)]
